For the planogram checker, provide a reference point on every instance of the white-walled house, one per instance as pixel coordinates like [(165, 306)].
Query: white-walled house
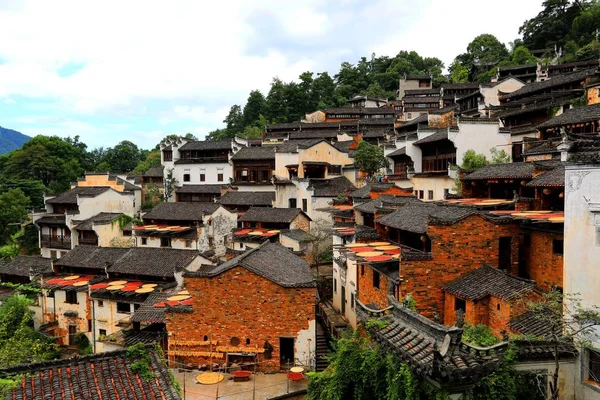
[(65, 211), (428, 156), (196, 162), (191, 226), (582, 249)]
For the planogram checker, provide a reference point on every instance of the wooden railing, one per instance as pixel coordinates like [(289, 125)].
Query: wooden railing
[(56, 242)]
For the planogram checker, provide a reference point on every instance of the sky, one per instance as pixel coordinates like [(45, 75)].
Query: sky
[(140, 70)]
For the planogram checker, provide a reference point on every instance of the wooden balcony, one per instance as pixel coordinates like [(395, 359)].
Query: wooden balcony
[(89, 241), (56, 242)]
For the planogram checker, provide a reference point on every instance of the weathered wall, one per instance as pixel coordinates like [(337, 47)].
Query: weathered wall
[(542, 264), (239, 303)]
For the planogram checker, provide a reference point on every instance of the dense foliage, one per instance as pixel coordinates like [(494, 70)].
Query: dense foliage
[(370, 158), (19, 342), (361, 370)]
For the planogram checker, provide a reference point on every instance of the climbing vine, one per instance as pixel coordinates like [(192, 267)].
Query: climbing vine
[(138, 354)]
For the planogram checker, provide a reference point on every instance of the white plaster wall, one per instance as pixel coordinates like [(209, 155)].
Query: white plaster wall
[(414, 152), (210, 171), (305, 346), (109, 201), (480, 137), (283, 159), (506, 86), (218, 225), (289, 243), (435, 183), (346, 279), (255, 188), (80, 308), (566, 376)]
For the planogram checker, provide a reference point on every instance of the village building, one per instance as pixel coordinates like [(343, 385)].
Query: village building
[(260, 224), (253, 168), (240, 202), (413, 82), (22, 269), (581, 252), (95, 290), (476, 104), (103, 230), (193, 226), (191, 162), (256, 310), (452, 91), (120, 183), (97, 376), (201, 193), (67, 210), (362, 101)]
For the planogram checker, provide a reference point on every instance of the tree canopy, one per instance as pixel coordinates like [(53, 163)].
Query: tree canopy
[(369, 158)]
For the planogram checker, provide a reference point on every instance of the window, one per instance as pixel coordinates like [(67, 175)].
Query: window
[(334, 169), (527, 240), (498, 306), (446, 192), (376, 279), (460, 304), (362, 270), (186, 177), (70, 297), (292, 203), (352, 297), (334, 285), (219, 177), (52, 253), (593, 366), (421, 194), (165, 242), (304, 205), (102, 332), (504, 252), (100, 303), (123, 308), (202, 177), (416, 193), (167, 155), (144, 241), (247, 341), (430, 194), (557, 246), (188, 244)]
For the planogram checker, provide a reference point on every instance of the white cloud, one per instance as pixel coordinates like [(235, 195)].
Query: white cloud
[(200, 57)]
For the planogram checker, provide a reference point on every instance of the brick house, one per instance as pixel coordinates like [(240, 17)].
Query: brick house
[(257, 309), (487, 296), (193, 226)]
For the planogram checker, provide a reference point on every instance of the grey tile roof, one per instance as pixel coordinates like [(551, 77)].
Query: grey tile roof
[(532, 323), (414, 217), (554, 177), (262, 199), (148, 313), (436, 137), (554, 81), (151, 262), (400, 152), (364, 192), (546, 147), (207, 145), (272, 261), (298, 235), (98, 219), (70, 197), (52, 220), (454, 86), (418, 100), (575, 115), (201, 189), (421, 119), (489, 281), (519, 170), (585, 149), (26, 266), (154, 172), (275, 215), (344, 146), (129, 187), (412, 92), (255, 153), (107, 376), (305, 135), (331, 187), (292, 146), (185, 211)]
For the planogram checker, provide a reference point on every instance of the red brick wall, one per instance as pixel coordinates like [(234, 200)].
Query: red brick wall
[(457, 249), (541, 264), (500, 313), (476, 311), (367, 293), (239, 303), (393, 190)]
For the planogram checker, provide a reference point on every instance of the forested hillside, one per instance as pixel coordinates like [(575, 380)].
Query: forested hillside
[(11, 140), (564, 31)]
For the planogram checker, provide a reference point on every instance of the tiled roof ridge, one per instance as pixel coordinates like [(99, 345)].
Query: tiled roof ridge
[(66, 361)]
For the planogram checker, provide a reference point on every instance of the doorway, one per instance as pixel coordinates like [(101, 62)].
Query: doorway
[(72, 333), (343, 300), (286, 351)]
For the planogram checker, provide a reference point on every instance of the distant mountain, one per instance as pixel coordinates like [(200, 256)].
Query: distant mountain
[(11, 140)]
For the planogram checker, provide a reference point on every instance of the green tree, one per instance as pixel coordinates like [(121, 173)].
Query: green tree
[(369, 158), (220, 134), (53, 161), (323, 88), (276, 110), (124, 157), (13, 210), (473, 161), (375, 90), (19, 342), (483, 54), (522, 56), (234, 121), (255, 105), (151, 161), (458, 72)]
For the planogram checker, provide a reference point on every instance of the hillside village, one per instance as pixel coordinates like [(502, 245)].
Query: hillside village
[(446, 237)]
